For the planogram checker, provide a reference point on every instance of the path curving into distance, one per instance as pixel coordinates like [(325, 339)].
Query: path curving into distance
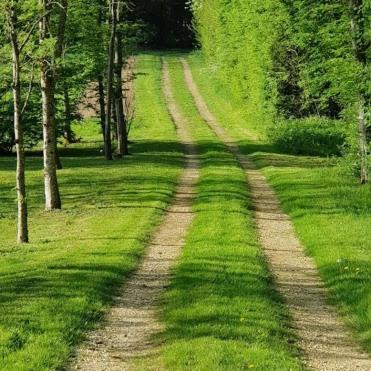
[(322, 337), (132, 323)]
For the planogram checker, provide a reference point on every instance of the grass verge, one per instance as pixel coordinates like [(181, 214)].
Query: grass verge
[(330, 211), (58, 286)]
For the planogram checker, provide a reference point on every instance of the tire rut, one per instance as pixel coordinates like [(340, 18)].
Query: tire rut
[(132, 323), (322, 337)]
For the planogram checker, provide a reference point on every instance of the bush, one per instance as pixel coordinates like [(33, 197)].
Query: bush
[(314, 136)]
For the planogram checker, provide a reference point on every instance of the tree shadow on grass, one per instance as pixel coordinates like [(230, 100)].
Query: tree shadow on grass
[(69, 291)]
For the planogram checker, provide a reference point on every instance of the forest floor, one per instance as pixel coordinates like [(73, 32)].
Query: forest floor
[(201, 289)]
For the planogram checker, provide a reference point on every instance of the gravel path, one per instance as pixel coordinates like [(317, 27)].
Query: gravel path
[(325, 342), (131, 325)]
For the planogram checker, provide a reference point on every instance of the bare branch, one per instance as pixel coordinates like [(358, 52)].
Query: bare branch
[(29, 89), (29, 34)]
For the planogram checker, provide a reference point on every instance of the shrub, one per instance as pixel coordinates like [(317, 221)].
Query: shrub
[(314, 136)]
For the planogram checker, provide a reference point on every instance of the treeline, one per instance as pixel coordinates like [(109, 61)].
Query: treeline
[(50, 52), (299, 67), (168, 22)]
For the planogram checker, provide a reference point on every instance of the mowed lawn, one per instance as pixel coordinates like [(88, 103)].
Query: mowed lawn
[(58, 286), (330, 210), (221, 311)]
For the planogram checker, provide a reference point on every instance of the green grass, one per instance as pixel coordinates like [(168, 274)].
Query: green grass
[(331, 211), (58, 286), (221, 311)]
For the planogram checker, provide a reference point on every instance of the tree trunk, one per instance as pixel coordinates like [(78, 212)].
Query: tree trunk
[(111, 57), (360, 52), (22, 231), (121, 122), (101, 93), (52, 196), (362, 141), (102, 104)]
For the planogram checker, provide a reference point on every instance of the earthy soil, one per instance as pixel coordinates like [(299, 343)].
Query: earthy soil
[(88, 107), (128, 89), (131, 325), (89, 104), (323, 338)]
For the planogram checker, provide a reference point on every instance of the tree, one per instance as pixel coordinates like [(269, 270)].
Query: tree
[(360, 47), (22, 234), (110, 72), (50, 58), (122, 140)]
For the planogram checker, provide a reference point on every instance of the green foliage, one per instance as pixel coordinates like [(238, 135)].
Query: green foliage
[(237, 38), (286, 58), (84, 59), (316, 136), (31, 119), (294, 54), (320, 40)]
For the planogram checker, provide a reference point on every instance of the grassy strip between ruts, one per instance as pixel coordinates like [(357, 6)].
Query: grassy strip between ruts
[(57, 286), (221, 311), (331, 212)]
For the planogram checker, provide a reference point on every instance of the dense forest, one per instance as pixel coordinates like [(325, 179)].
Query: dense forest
[(208, 160), (304, 66)]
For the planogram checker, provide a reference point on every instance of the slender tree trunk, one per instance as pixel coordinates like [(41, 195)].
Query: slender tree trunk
[(111, 57), (52, 196), (360, 52), (22, 231), (67, 130), (102, 104), (100, 77), (362, 141), (121, 122)]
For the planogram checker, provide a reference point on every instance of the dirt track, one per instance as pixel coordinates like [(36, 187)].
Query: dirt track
[(325, 342), (131, 325)]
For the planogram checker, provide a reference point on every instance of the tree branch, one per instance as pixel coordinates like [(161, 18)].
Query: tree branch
[(29, 89), (29, 34)]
